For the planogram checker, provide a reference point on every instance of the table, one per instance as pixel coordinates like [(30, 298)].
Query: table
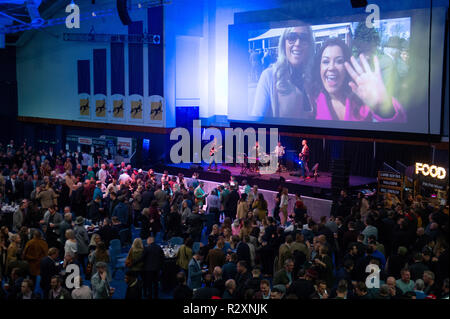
[(6, 214), (170, 268)]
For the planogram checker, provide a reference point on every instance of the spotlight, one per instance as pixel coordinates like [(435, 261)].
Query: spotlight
[(359, 3), (139, 5), (156, 39), (93, 14)]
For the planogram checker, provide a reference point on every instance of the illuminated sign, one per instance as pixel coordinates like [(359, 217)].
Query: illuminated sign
[(433, 170)]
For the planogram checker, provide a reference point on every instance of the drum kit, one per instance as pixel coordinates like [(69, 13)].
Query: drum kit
[(263, 160)]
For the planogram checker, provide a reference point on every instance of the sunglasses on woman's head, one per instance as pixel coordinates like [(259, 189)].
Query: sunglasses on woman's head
[(292, 37)]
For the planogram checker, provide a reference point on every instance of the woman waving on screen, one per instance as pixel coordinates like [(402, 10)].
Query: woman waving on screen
[(350, 90)]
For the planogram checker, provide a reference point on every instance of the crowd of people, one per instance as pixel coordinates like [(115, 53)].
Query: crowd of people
[(249, 252)]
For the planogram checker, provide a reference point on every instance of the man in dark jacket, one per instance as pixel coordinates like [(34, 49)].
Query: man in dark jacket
[(243, 250), (195, 224), (231, 203), (134, 286), (207, 292), (242, 277), (94, 210), (147, 197), (182, 291), (418, 267), (230, 269), (303, 287), (49, 268), (107, 232), (153, 258)]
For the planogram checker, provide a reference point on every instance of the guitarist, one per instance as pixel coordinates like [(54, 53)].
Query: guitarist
[(304, 159), (212, 153)]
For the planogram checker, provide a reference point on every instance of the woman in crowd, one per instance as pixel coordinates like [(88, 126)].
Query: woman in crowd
[(101, 253), (184, 254), (134, 255), (71, 243), (242, 208), (348, 90), (284, 201), (260, 207)]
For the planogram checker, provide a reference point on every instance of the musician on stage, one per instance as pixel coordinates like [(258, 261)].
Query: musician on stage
[(304, 159), (212, 153), (256, 148), (279, 152)]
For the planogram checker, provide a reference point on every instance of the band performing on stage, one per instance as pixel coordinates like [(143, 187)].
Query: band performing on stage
[(252, 164)]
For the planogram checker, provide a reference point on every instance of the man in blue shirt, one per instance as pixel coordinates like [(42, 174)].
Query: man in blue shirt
[(377, 254)]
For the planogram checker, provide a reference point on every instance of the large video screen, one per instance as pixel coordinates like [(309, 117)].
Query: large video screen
[(347, 75)]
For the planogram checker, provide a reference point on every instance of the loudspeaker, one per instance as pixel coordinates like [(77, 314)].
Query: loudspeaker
[(358, 3), (196, 167), (291, 157), (280, 180), (122, 9), (225, 171), (340, 172)]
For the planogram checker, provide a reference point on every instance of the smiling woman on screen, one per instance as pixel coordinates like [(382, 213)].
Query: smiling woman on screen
[(352, 91), (282, 88)]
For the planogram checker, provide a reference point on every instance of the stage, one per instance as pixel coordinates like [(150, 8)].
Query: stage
[(319, 189)]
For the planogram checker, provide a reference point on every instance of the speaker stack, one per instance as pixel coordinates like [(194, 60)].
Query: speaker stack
[(340, 177)]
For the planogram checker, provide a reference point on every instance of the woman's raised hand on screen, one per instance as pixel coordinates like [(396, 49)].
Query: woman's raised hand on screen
[(368, 85)]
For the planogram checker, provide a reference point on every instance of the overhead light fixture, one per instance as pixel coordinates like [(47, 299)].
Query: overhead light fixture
[(156, 39), (359, 3), (33, 11)]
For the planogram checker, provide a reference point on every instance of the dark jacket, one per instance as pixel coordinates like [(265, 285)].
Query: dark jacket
[(182, 292), (206, 293), (93, 211), (195, 224), (232, 203), (63, 294), (220, 285), (243, 253), (241, 283), (147, 197), (108, 233), (229, 271), (49, 268), (134, 291), (121, 211), (33, 296), (302, 288), (153, 258), (417, 269)]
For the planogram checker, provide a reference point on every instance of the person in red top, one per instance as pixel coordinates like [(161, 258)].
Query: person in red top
[(300, 212)]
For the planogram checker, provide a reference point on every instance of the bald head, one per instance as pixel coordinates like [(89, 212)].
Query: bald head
[(390, 281)]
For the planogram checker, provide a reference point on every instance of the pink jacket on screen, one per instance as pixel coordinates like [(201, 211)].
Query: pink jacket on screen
[(355, 112)]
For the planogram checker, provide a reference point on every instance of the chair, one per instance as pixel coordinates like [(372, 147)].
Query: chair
[(37, 287), (124, 235), (116, 262), (196, 247), (176, 241), (116, 246)]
